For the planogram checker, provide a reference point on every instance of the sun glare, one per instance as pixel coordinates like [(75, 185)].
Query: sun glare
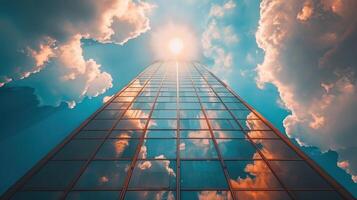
[(176, 45), (174, 41)]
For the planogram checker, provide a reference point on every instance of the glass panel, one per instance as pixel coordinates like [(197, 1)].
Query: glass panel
[(202, 174), (32, 195), (230, 100), (275, 149), (218, 114), (55, 174), (148, 93), (129, 114), (77, 149), (212, 105), (206, 195), (93, 195), (229, 134), (313, 195), (104, 174), (193, 124), (131, 124), (237, 149), (188, 99), (251, 174), (160, 134), (197, 148), (91, 134), (297, 175), (190, 105), (154, 174), (224, 124), (121, 105), (262, 195), (164, 114), (124, 99), (158, 148), (191, 114), (166, 99), (162, 124), (262, 134), (161, 105), (141, 105), (114, 149), (149, 195), (130, 94), (244, 114), (195, 134), (100, 125), (236, 106), (126, 134), (144, 99), (210, 99), (109, 114), (253, 125)]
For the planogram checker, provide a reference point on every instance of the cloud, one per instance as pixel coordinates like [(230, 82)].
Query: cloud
[(34, 38), (218, 195), (309, 56), (306, 11), (219, 37), (220, 10), (68, 77), (107, 98)]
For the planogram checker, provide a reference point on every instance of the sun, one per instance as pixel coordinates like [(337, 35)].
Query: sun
[(174, 42), (175, 45)]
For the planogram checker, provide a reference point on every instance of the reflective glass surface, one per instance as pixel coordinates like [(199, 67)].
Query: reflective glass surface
[(202, 174), (103, 174), (176, 132), (55, 174), (148, 195), (154, 174), (251, 174), (93, 195), (197, 148), (118, 149), (237, 149), (77, 149), (298, 175)]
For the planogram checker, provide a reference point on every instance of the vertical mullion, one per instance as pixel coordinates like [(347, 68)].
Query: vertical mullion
[(224, 168), (90, 159), (178, 162), (142, 138), (248, 137)]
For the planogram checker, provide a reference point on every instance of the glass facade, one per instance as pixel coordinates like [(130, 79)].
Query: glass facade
[(176, 132)]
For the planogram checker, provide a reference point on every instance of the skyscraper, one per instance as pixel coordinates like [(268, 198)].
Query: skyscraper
[(176, 132)]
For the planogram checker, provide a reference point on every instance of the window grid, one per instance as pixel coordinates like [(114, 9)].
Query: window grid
[(214, 140), (206, 112), (252, 143)]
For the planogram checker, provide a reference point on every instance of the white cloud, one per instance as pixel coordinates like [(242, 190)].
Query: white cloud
[(306, 11), (218, 38), (107, 98), (314, 69), (220, 10), (68, 77), (34, 39)]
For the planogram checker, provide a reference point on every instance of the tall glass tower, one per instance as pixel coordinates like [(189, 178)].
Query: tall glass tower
[(176, 132)]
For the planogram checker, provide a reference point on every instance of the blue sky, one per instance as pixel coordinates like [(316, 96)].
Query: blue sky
[(38, 111)]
